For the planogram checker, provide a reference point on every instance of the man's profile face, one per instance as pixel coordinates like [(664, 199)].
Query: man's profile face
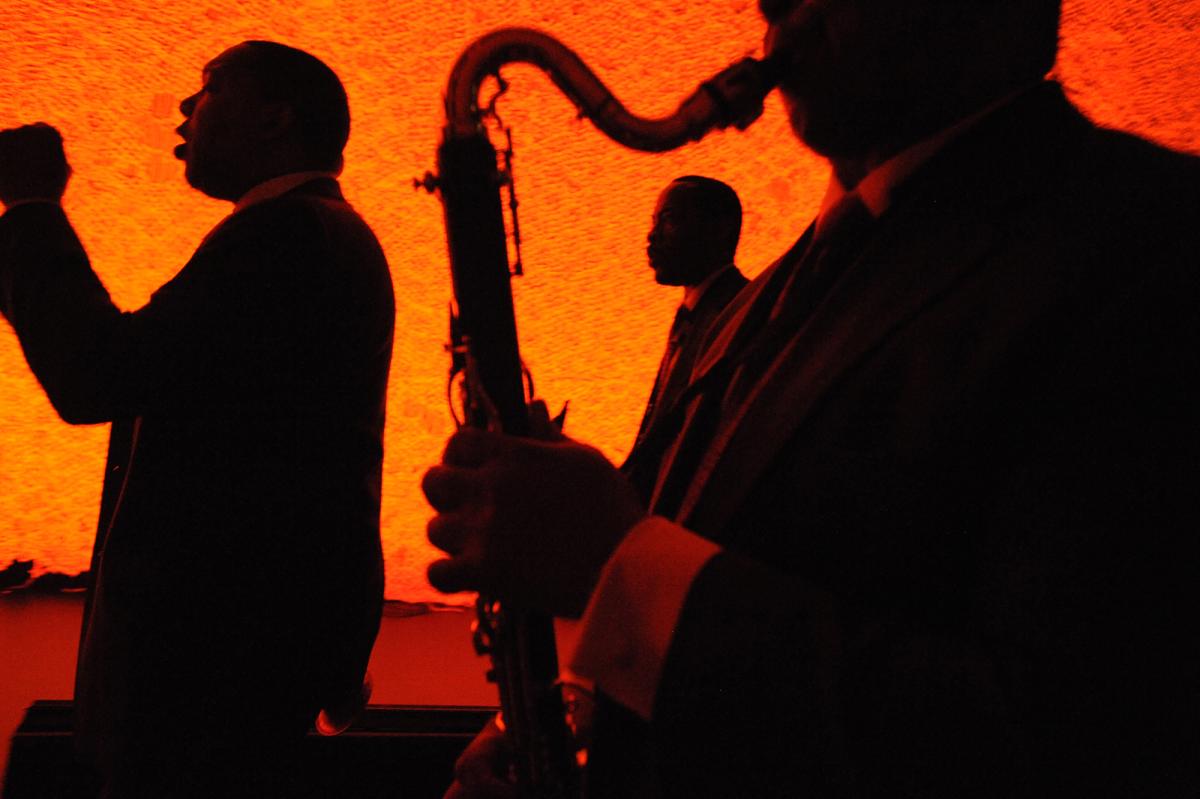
[(675, 246), (218, 128), (856, 65)]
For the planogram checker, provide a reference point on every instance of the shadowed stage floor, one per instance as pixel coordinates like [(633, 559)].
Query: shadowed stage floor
[(422, 659)]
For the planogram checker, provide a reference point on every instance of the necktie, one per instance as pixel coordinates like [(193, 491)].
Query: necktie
[(802, 286), (836, 236), (847, 220), (675, 340), (683, 320), (679, 331)]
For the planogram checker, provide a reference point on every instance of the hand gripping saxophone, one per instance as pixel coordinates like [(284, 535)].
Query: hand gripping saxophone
[(495, 387)]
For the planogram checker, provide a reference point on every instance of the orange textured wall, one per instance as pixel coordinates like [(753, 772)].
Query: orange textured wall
[(109, 74)]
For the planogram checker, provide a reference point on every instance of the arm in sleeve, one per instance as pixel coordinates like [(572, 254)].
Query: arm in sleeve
[(743, 675), (231, 319), (54, 301), (627, 626)]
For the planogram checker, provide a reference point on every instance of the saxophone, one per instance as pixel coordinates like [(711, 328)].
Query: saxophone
[(495, 386)]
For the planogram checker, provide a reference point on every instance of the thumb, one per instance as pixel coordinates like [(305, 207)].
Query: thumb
[(541, 426)]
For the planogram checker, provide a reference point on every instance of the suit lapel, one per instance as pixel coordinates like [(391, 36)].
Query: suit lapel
[(706, 312), (737, 322), (906, 267), (940, 229), (757, 298), (665, 399)]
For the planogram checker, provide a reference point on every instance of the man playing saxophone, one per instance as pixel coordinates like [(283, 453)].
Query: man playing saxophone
[(925, 526)]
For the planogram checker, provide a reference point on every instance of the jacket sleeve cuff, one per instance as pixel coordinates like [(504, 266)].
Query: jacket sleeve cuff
[(627, 627)]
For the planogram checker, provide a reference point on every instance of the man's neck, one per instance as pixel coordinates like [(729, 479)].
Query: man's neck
[(851, 169), (692, 294), (873, 177), (274, 187)]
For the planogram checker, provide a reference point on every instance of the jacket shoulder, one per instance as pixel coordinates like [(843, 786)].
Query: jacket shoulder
[(1137, 174)]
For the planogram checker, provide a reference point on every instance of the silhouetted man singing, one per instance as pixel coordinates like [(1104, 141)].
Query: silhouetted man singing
[(930, 527), (237, 568)]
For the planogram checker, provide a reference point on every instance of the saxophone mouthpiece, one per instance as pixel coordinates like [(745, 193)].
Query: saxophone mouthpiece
[(738, 91)]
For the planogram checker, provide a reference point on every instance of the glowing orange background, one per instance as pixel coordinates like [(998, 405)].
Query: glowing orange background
[(110, 74)]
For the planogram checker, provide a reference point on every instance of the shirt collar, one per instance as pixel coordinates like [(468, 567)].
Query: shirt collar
[(278, 186), (692, 294)]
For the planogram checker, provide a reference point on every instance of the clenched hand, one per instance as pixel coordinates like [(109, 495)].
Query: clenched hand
[(33, 165)]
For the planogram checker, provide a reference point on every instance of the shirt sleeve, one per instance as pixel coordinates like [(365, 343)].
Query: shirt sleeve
[(627, 627)]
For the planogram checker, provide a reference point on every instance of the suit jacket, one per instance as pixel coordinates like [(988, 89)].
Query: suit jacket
[(958, 505), (237, 566), (673, 379)]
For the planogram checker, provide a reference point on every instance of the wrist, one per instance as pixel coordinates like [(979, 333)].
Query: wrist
[(632, 614), (604, 554)]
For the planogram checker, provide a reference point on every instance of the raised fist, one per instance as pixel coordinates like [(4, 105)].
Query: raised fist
[(32, 164)]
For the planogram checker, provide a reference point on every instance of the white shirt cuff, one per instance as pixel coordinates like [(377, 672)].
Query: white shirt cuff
[(627, 627)]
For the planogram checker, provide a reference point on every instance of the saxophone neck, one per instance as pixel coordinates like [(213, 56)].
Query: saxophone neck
[(732, 97)]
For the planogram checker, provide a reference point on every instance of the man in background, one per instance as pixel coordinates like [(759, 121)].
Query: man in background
[(692, 243), (237, 567), (927, 527)]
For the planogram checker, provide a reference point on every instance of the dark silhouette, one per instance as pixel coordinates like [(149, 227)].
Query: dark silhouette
[(238, 574), (15, 574), (692, 243), (945, 450)]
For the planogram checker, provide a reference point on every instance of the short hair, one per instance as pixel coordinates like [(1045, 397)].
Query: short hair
[(313, 91), (718, 202)]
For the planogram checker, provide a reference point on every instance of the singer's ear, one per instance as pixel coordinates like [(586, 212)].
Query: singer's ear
[(276, 120)]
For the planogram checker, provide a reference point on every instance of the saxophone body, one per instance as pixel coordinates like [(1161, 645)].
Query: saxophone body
[(484, 344)]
